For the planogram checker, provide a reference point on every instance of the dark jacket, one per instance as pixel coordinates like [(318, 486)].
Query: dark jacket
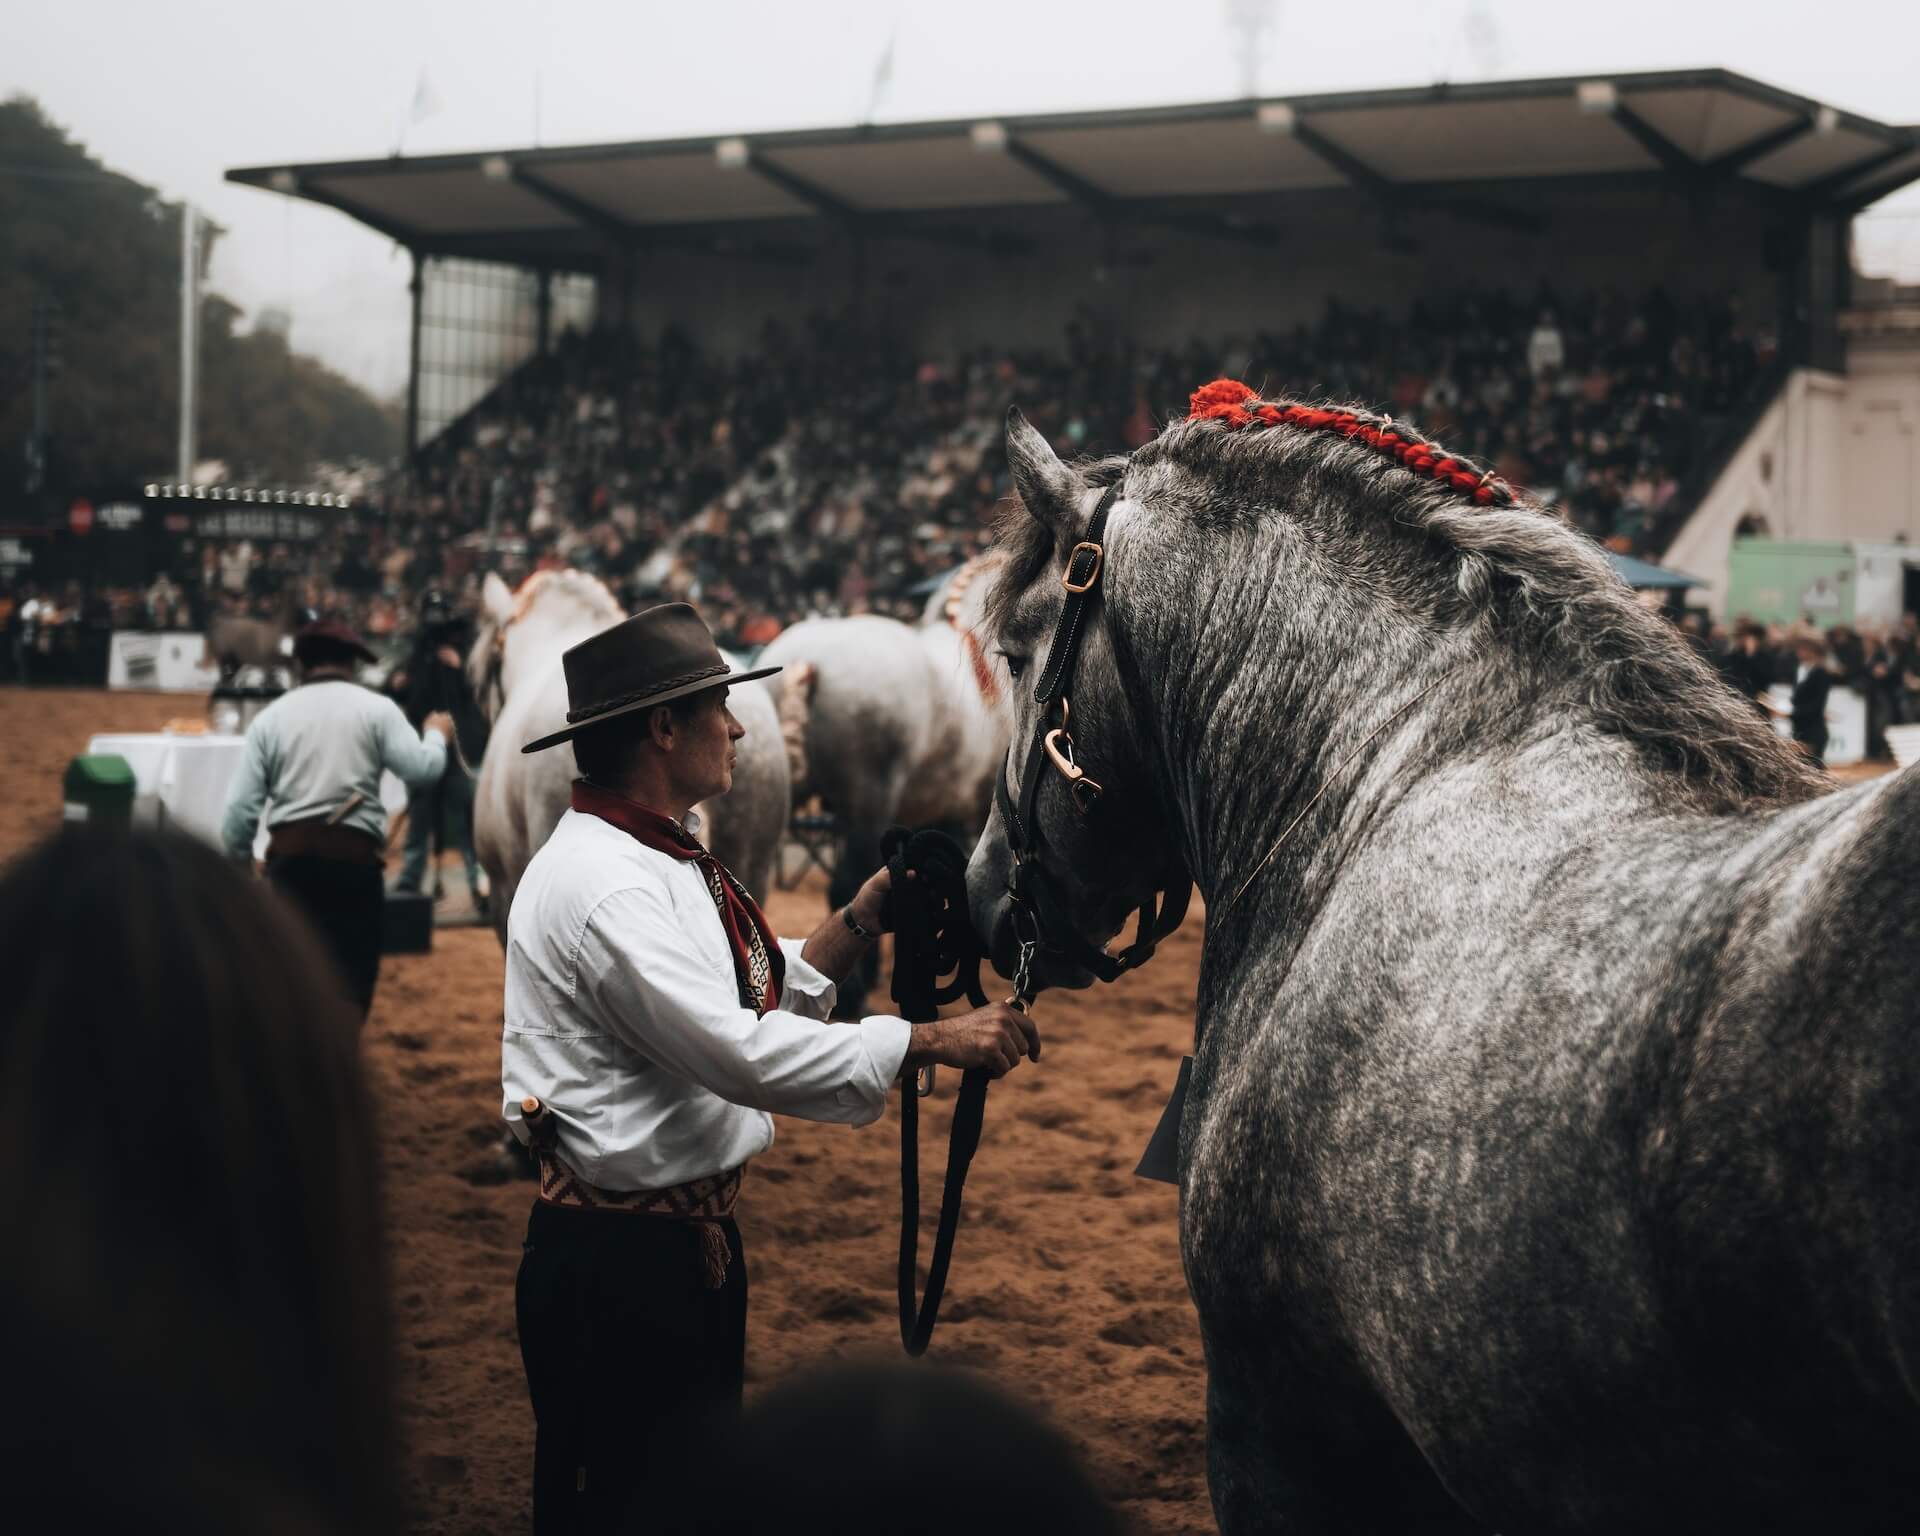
[(1809, 708), (427, 683), (1751, 675)]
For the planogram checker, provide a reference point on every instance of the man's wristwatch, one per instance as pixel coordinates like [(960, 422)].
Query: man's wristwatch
[(853, 927)]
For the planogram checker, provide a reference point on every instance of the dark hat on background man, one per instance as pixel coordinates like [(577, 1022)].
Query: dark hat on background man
[(329, 633), (653, 658)]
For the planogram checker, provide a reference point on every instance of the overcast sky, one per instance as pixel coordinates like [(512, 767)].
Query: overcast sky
[(175, 92)]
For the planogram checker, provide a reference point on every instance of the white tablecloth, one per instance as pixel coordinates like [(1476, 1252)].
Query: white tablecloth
[(182, 781)]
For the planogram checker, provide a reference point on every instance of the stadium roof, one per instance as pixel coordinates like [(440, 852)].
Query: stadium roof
[(1399, 146)]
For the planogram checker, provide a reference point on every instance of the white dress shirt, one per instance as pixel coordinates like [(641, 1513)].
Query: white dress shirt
[(313, 747), (623, 1016)]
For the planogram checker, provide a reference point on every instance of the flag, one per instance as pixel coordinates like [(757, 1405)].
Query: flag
[(882, 76), (426, 100)]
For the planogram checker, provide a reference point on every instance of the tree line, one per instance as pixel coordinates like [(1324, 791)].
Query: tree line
[(105, 249)]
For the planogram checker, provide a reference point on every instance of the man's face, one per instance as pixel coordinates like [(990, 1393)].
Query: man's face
[(705, 754)]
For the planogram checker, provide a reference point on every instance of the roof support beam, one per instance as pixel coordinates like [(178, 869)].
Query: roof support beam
[(397, 233), (1357, 171), (609, 226), (1859, 201), (1671, 156), (1107, 206), (1057, 176), (819, 199), (1740, 158), (1398, 197), (1827, 185)]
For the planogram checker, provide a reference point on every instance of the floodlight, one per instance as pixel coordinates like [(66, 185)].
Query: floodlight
[(732, 154), (989, 138), (1276, 117), (496, 168), (1597, 97)]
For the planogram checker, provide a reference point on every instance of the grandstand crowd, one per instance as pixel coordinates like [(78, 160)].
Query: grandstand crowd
[(832, 471)]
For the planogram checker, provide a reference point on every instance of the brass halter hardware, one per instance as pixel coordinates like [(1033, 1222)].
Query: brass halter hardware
[(1059, 745)]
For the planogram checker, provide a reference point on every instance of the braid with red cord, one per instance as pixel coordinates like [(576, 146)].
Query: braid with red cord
[(1232, 402)]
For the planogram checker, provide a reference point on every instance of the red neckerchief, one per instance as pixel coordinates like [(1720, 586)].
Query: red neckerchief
[(757, 960)]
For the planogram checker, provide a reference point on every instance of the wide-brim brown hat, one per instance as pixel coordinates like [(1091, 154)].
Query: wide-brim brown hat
[(331, 632), (652, 658)]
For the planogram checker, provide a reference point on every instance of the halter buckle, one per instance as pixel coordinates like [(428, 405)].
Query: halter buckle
[(1093, 574), (923, 1081)]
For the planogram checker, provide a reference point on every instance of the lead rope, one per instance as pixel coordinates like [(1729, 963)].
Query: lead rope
[(933, 936)]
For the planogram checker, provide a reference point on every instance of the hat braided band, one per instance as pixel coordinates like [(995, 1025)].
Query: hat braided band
[(575, 716)]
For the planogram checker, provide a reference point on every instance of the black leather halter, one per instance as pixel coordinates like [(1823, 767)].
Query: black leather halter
[(1040, 922)]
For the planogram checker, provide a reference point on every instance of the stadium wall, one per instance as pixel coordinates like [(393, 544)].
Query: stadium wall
[(1165, 287), (1835, 458)]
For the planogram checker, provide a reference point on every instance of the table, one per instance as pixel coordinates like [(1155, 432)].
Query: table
[(182, 781)]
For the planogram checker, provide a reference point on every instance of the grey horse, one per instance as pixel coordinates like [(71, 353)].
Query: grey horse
[(1551, 1160), (514, 666), (893, 724)]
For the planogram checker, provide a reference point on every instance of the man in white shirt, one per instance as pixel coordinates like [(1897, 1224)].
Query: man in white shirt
[(313, 760), (652, 1022)]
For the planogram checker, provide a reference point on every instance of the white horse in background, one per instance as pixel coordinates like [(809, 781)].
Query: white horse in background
[(894, 723), (516, 673)]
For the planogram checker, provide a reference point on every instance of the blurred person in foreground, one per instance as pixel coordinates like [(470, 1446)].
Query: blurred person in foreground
[(652, 1021), (316, 755), (433, 681), (194, 1311), (940, 1452)]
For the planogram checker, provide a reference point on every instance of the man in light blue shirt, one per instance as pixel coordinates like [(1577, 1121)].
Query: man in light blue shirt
[(313, 762)]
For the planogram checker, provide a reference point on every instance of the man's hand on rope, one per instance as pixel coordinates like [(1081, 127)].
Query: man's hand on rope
[(439, 721), (872, 906), (994, 1037)]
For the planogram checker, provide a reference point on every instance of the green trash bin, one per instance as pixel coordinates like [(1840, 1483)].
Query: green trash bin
[(99, 787)]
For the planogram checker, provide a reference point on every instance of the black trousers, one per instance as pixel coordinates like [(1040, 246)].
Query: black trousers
[(634, 1366), (346, 902)]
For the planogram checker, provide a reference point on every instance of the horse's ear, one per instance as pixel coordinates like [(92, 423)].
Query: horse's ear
[(496, 598), (1049, 489)]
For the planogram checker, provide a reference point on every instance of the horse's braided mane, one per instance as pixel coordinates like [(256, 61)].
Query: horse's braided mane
[(1514, 565), (1230, 401)]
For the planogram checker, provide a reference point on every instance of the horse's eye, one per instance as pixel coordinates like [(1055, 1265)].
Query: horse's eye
[(1015, 664)]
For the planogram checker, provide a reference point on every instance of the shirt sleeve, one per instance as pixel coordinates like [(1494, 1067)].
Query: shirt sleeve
[(246, 796), (806, 991), (653, 990), (418, 759)]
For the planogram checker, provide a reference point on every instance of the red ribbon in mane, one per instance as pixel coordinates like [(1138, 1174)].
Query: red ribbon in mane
[(755, 949)]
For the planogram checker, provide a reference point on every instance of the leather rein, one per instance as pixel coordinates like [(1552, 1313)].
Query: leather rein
[(1040, 921)]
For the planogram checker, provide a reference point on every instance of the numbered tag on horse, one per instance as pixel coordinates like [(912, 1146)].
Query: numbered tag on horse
[(1161, 1160)]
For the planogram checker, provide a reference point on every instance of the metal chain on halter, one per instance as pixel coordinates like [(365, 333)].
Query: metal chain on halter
[(932, 937)]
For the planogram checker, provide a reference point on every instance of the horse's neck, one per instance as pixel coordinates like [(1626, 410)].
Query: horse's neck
[(1265, 734)]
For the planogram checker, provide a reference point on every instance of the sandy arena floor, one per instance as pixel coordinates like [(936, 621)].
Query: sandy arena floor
[(1066, 1284)]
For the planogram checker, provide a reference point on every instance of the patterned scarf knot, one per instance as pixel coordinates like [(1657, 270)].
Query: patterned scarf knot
[(757, 962)]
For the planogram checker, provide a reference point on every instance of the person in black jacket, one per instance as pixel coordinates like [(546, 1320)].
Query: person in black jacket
[(1813, 681), (1747, 667), (433, 678)]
